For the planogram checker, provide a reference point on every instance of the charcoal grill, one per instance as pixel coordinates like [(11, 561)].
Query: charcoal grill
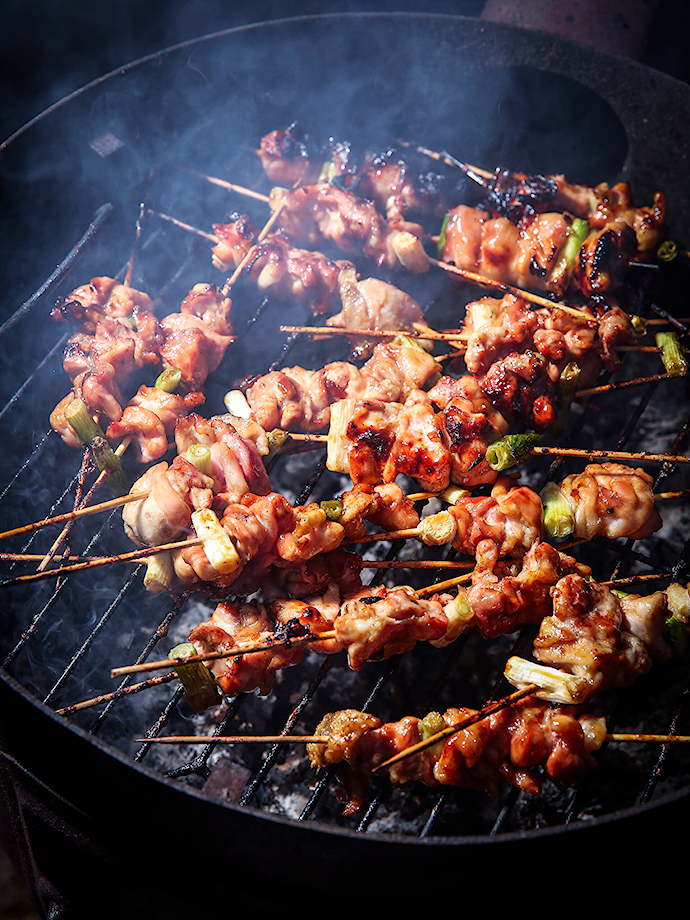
[(87, 808)]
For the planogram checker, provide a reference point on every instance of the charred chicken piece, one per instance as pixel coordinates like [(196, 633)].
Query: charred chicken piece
[(313, 215), (469, 423), (611, 500), (504, 596), (587, 637)]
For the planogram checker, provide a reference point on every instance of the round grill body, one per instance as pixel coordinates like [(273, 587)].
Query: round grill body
[(86, 809)]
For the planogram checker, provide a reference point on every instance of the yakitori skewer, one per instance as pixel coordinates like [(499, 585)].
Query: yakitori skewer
[(538, 449)]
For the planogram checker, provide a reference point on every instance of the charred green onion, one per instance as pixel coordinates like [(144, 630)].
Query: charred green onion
[(442, 237), (91, 435), (572, 246), (672, 354), (565, 393), (169, 379), (108, 462), (676, 636), (668, 251), (276, 439), (511, 450), (199, 686), (199, 455), (333, 509), (558, 515), (431, 724)]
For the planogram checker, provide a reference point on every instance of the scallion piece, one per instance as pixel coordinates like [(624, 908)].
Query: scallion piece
[(639, 325), (200, 688), (572, 246), (565, 393), (276, 438), (511, 450), (169, 379), (82, 422), (672, 354), (558, 515), (199, 455), (108, 462), (333, 509), (676, 636), (442, 237), (431, 724), (667, 251), (91, 434)]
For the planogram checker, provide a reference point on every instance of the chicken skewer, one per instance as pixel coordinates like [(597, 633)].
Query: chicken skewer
[(595, 639), (585, 248)]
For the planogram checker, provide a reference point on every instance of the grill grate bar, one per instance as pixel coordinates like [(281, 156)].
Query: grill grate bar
[(153, 640), (100, 625), (198, 766), (19, 393), (63, 269), (272, 755)]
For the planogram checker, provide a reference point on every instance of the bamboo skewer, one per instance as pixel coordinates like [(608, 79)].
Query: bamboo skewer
[(236, 739), (324, 739), (455, 338), (214, 656), (75, 515), (101, 478), (229, 186), (510, 289), (117, 694), (379, 333), (133, 556)]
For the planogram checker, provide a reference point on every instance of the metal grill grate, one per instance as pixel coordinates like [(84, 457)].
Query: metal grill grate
[(90, 615), (59, 640)]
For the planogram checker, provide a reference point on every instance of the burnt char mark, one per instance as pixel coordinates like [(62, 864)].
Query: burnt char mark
[(460, 426), (378, 443), (515, 197)]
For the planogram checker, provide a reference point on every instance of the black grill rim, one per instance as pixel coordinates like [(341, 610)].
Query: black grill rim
[(543, 44)]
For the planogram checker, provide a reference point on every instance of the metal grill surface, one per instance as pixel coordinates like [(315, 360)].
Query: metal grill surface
[(60, 637)]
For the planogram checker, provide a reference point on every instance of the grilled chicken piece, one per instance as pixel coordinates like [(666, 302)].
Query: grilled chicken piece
[(397, 183), (102, 298), (499, 327), (611, 500), (510, 517), (469, 423), (174, 491), (520, 388), (313, 215), (235, 624), (389, 439), (503, 597), (585, 636), (380, 623), (296, 399)]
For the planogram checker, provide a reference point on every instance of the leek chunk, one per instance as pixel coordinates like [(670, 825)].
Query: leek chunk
[(558, 514), (200, 688), (672, 354)]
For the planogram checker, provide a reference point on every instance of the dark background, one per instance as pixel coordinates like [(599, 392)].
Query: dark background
[(50, 49)]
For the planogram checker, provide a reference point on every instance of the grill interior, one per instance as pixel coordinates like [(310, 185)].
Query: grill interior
[(59, 638)]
